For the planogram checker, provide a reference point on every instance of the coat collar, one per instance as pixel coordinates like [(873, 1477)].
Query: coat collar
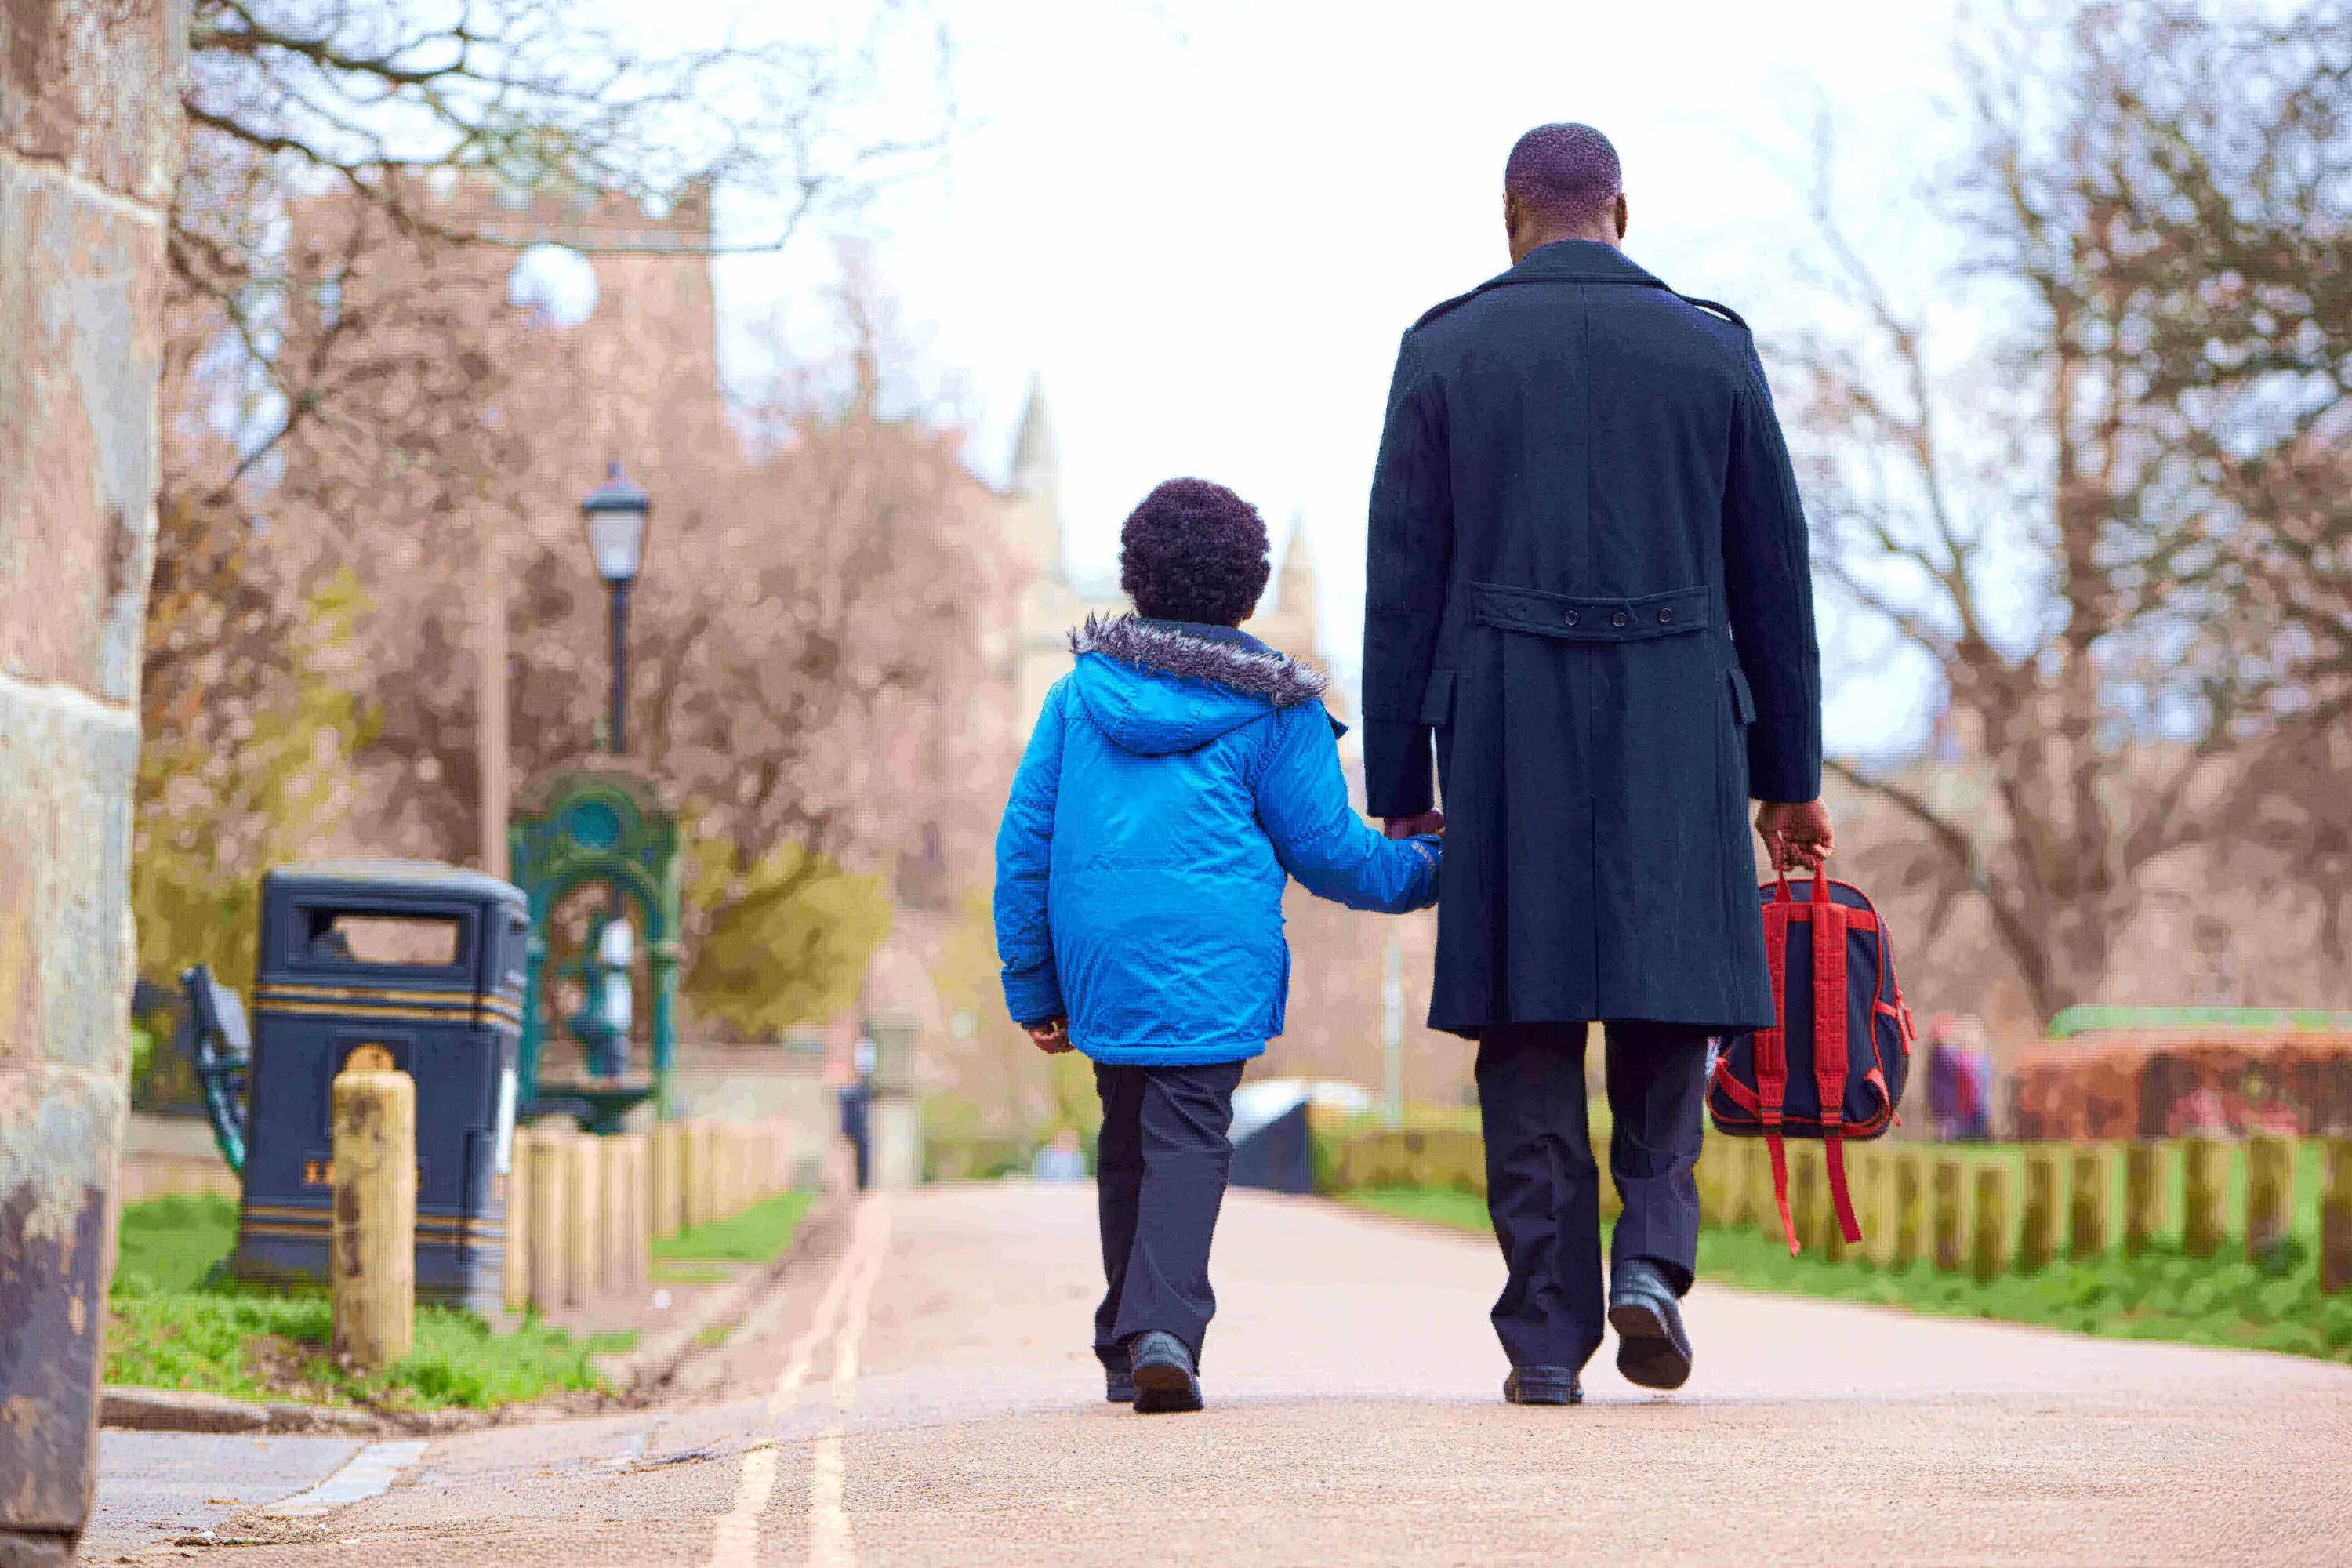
[(1562, 261), (1577, 261)]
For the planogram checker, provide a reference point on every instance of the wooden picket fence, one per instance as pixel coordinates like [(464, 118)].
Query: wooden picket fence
[(1995, 1213), (583, 1211)]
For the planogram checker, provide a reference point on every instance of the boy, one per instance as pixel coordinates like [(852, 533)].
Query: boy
[(1176, 779)]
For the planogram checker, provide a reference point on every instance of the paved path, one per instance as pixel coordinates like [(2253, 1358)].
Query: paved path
[(925, 1397), (155, 1489)]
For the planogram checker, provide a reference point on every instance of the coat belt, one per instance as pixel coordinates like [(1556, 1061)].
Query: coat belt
[(1590, 620)]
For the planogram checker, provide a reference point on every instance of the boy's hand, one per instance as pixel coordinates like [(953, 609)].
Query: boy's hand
[(1413, 827), (1052, 1038)]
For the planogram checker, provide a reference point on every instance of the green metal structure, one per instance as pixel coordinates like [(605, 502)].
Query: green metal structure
[(2089, 1016), (600, 825)]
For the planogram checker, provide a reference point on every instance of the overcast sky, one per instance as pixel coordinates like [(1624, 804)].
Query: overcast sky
[(1202, 226)]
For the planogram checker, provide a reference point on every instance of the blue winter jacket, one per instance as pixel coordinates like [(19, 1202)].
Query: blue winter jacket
[(1177, 779)]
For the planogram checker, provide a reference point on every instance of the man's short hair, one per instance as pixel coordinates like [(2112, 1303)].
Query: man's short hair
[(1567, 173), (1193, 552)]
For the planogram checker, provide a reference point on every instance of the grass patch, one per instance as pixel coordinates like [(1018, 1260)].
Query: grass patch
[(689, 1274), (756, 1235), (2161, 1294), (716, 1334), (175, 1320)]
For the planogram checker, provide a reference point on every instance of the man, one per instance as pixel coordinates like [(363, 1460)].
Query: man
[(1588, 579)]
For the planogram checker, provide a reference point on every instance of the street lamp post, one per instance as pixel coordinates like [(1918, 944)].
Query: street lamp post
[(615, 515)]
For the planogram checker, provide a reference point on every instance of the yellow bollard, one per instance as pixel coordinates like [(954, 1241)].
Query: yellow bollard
[(641, 1210), (2204, 1196), (2037, 1238), (584, 1257), (1730, 1157), (645, 1238), (374, 1276), (1951, 1201), (2143, 1196), (2335, 1218), (2270, 1194), (1762, 1203), (666, 1157), (550, 1219), (517, 1282), (612, 1231), (696, 1139), (1707, 1174), (1912, 1230), (1989, 1244), (2087, 1229), (1873, 1202), (1805, 1198)]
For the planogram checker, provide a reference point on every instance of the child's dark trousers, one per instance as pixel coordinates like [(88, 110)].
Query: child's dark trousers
[(1159, 1178)]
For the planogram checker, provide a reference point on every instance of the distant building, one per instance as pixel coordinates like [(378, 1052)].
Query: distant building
[(1050, 600)]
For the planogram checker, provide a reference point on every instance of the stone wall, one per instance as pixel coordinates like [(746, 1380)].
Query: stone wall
[(89, 131)]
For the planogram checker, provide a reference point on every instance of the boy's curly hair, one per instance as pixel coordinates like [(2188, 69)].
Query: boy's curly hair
[(1194, 550)]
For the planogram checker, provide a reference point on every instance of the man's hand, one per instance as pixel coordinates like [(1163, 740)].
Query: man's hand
[(1413, 827), (1052, 1038), (1797, 834)]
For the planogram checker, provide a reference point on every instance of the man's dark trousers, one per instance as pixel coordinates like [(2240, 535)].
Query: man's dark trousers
[(1543, 1187), (1159, 1178)]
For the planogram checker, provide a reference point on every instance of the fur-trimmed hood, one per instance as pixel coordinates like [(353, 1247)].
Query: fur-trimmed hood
[(1161, 688), (1244, 663)]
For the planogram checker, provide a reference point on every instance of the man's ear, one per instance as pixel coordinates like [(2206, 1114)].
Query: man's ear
[(1622, 212), (1511, 215)]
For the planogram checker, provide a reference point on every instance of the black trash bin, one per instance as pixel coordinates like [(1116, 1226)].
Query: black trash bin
[(401, 965)]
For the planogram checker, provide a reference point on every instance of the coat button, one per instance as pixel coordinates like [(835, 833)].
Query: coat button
[(1665, 618), (1618, 619), (1569, 618)]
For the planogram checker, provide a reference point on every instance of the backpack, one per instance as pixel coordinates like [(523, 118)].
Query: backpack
[(1836, 1067)]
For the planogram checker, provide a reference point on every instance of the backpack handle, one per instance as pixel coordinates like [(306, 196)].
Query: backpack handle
[(1819, 893)]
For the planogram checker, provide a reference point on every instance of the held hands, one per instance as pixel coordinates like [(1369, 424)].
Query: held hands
[(1797, 834), (1052, 1038), (1413, 827)]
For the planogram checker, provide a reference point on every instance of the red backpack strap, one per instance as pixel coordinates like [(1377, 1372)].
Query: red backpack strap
[(1772, 1051), (1829, 923)]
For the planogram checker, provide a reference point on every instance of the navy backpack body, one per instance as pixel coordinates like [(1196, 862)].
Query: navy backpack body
[(1836, 1067)]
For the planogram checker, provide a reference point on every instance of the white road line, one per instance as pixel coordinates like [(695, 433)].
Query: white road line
[(830, 1542), (368, 1474), (861, 1300), (802, 1359), (841, 1318), (735, 1543), (830, 1545)]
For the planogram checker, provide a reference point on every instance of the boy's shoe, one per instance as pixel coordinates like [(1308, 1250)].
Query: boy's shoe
[(1543, 1385), (1652, 1349), (1164, 1379)]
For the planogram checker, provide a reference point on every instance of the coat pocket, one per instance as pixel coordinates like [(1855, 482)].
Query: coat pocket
[(1743, 701), (1437, 700)]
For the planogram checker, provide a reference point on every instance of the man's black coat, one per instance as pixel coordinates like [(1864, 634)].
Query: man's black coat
[(1588, 577)]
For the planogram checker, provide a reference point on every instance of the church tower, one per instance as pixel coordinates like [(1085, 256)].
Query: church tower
[(1034, 521)]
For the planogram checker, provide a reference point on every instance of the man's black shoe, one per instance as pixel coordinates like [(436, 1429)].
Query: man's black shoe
[(1118, 1384), (1164, 1379), (1652, 1348), (1543, 1385)]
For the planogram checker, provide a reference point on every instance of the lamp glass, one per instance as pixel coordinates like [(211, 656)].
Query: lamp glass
[(617, 541)]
